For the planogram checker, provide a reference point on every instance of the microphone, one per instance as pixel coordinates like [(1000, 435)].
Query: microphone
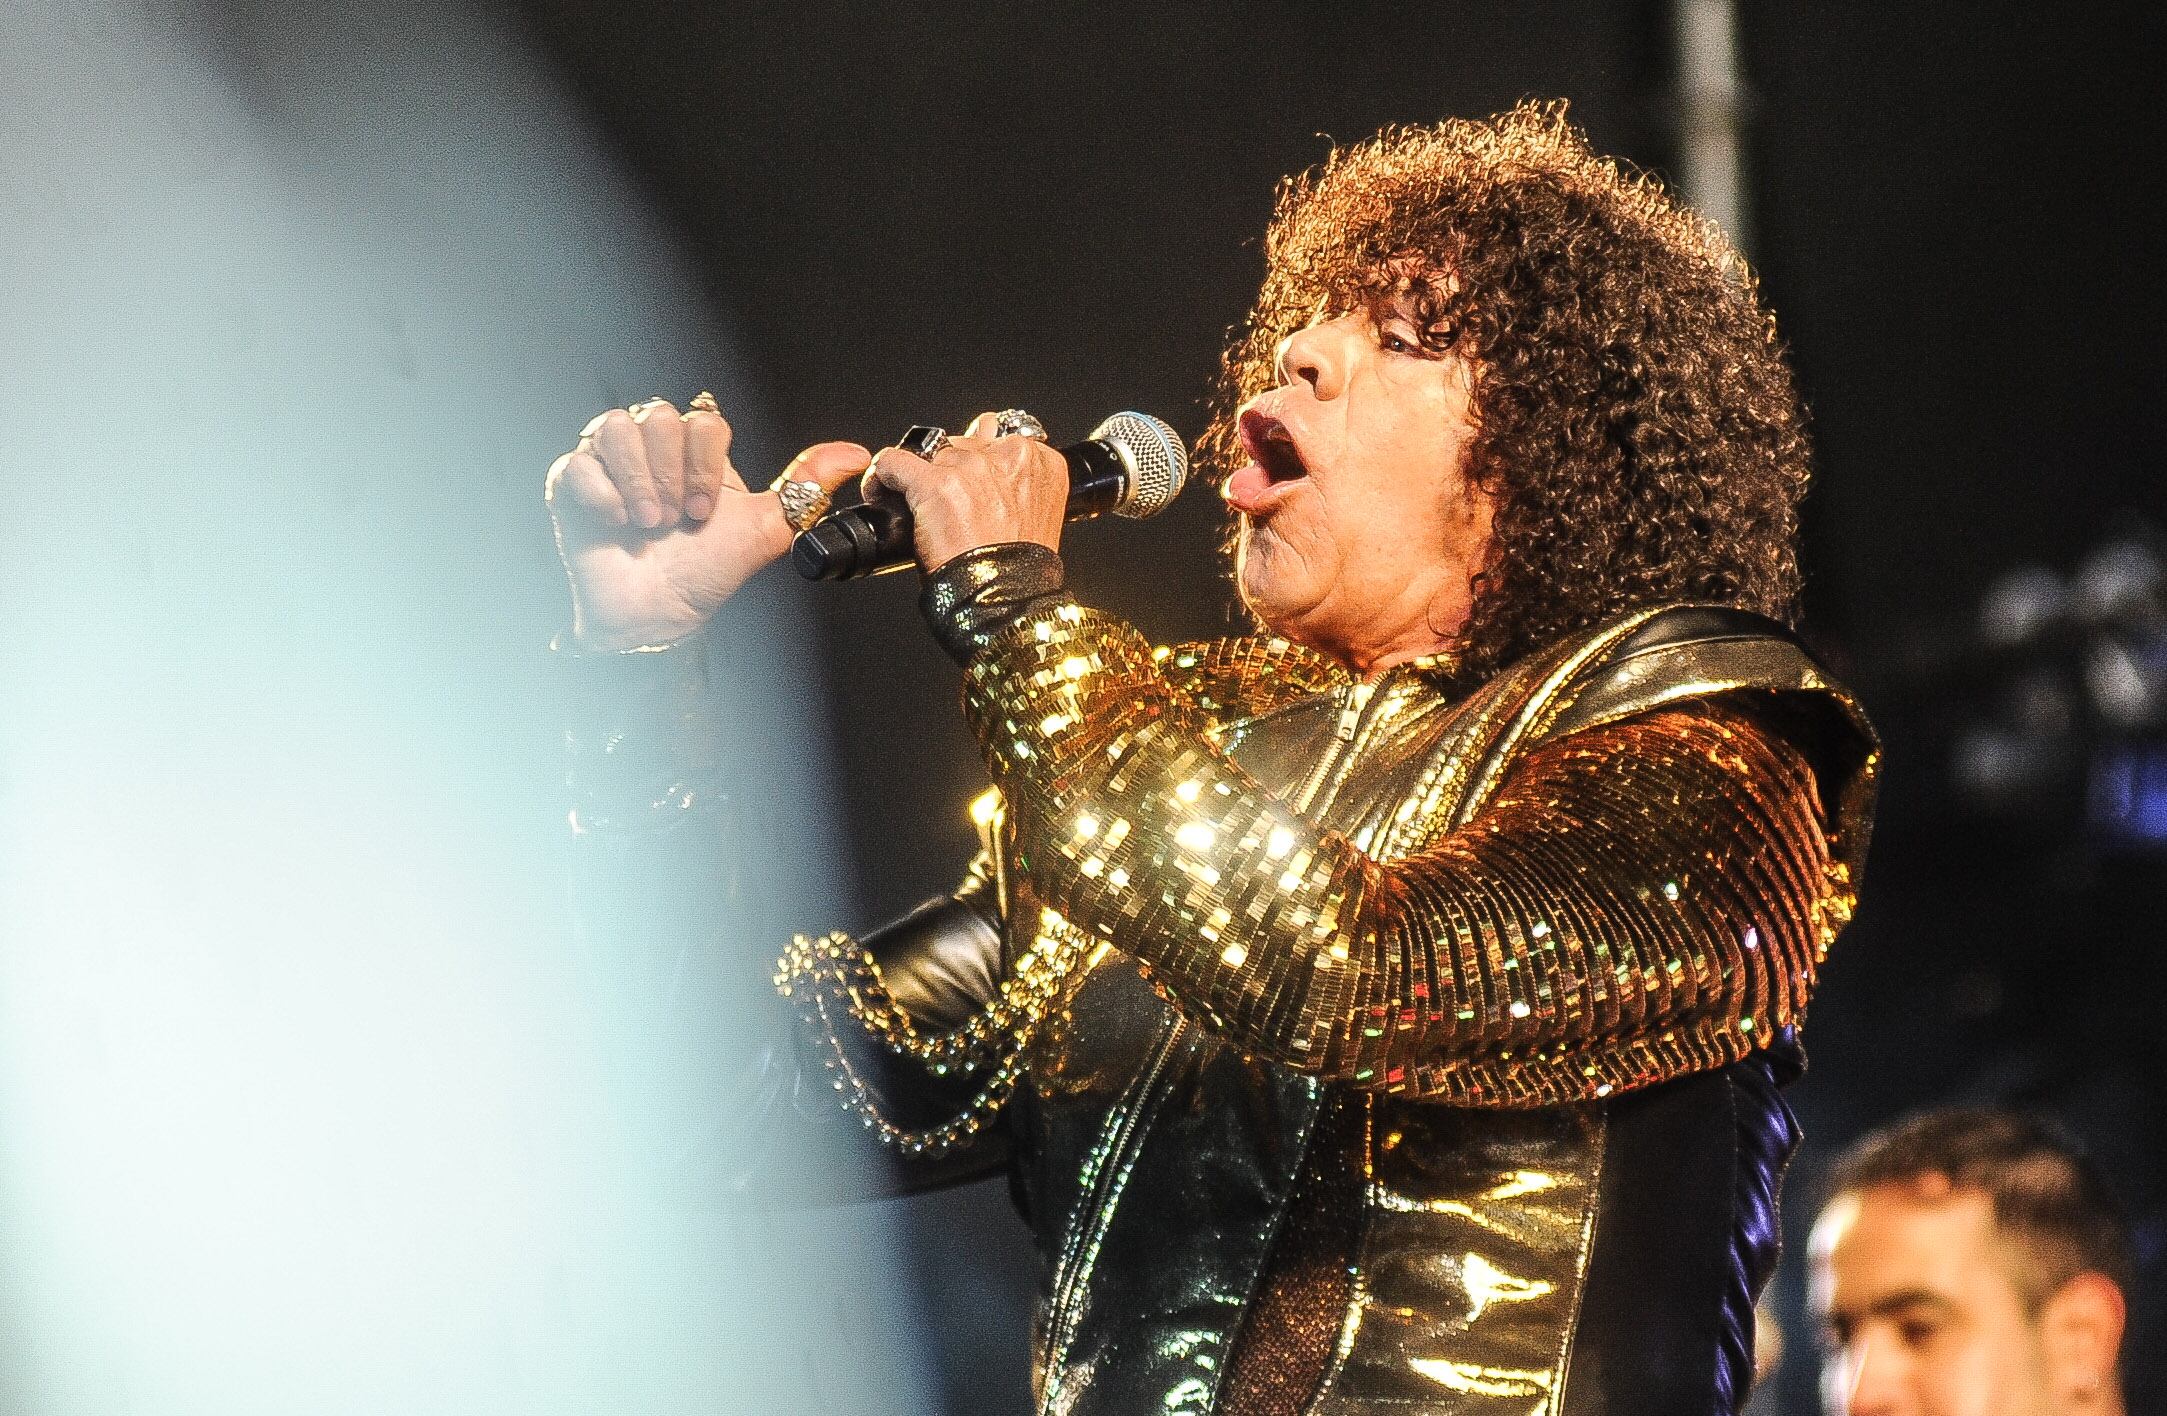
[(1132, 465)]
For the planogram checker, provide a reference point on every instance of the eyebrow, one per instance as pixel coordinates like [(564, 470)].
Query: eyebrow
[(1889, 1304)]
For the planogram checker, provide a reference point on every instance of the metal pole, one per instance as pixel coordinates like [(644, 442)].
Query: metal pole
[(1711, 114)]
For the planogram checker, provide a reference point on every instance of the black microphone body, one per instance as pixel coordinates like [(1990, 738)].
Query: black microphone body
[(1132, 466)]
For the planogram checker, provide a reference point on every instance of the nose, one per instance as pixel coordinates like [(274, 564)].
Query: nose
[(1872, 1382), (1317, 356)]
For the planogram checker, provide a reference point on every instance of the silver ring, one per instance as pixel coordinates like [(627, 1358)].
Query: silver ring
[(803, 502), (923, 440), (1016, 423)]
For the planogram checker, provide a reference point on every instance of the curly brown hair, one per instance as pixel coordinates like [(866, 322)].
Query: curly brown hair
[(1636, 420)]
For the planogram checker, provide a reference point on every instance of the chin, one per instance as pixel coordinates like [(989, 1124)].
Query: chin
[(1271, 586)]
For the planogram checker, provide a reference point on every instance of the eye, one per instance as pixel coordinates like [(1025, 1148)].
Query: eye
[(1396, 344), (1916, 1332)]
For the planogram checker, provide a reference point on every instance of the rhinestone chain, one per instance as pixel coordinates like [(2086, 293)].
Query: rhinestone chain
[(835, 971)]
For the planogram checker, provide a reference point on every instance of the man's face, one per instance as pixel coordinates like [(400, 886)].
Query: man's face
[(1359, 533), (1916, 1292)]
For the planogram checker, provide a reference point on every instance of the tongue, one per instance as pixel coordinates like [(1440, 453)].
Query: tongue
[(1244, 491)]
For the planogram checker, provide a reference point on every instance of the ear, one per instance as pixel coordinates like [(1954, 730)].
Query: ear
[(2081, 1328)]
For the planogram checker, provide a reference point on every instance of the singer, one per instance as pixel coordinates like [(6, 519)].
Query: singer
[(1383, 1012)]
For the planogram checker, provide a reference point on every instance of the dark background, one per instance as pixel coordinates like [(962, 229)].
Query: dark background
[(917, 211)]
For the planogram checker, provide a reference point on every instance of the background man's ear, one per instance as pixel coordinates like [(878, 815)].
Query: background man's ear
[(2081, 1327)]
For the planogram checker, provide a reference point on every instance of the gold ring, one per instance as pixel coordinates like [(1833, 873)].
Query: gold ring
[(703, 402), (804, 502)]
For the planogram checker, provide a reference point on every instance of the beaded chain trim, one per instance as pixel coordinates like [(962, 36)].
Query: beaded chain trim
[(835, 973)]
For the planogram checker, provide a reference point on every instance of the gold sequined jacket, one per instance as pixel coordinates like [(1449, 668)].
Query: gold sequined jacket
[(1367, 1048)]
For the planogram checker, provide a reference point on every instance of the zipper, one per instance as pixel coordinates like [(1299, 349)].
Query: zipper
[(1098, 1209), (1353, 699), (1350, 713)]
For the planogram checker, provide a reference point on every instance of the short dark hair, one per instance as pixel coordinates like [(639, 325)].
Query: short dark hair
[(2047, 1194)]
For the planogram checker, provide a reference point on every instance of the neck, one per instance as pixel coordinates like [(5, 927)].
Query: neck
[(1377, 668), (1371, 659), (1428, 623), (1372, 662)]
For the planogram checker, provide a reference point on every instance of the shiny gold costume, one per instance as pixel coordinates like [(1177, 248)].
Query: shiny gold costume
[(1570, 942), (1286, 956)]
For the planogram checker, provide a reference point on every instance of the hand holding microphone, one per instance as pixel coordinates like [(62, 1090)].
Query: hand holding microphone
[(990, 486), (657, 529)]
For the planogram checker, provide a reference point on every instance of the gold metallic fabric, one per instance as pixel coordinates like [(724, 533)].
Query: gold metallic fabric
[(1630, 905), (1471, 1264), (1468, 922)]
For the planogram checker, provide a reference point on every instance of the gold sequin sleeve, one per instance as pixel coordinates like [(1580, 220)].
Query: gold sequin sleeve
[(1638, 901)]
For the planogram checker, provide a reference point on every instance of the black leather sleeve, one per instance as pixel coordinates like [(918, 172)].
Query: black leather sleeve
[(972, 598), (941, 964), (653, 860)]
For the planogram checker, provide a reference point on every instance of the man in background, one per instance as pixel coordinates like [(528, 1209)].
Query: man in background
[(1970, 1263)]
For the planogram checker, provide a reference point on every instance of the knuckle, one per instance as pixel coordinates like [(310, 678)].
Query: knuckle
[(575, 479), (963, 459)]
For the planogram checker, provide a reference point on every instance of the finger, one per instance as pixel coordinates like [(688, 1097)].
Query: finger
[(708, 470), (662, 436), (1020, 456), (578, 485), (984, 426), (831, 464), (893, 472), (971, 460), (615, 439)]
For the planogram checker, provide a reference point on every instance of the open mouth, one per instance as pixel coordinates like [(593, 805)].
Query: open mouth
[(1267, 440), (1275, 472)]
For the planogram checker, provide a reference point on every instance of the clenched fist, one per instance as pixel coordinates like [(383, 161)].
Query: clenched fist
[(980, 489), (655, 526)]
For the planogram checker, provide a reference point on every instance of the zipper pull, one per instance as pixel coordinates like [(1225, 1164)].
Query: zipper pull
[(1351, 715)]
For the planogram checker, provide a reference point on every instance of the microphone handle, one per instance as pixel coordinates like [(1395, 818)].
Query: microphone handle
[(873, 538)]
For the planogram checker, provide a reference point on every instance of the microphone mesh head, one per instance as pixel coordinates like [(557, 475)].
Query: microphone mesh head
[(1158, 464)]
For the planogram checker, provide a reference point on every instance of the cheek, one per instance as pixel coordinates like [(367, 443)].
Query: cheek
[(1392, 526), (1969, 1374)]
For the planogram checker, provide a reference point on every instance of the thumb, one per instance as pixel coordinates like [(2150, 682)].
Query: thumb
[(831, 464)]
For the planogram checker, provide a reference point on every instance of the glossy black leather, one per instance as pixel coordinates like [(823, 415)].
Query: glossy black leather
[(1686, 1236), (1686, 1225)]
